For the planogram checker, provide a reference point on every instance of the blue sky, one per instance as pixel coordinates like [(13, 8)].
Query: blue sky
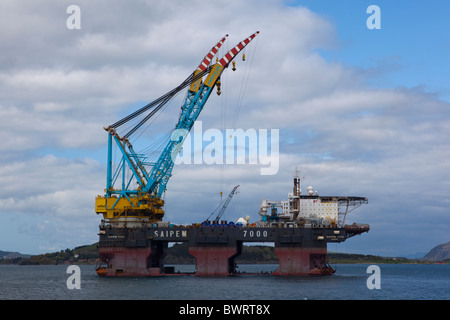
[(409, 43), (360, 112)]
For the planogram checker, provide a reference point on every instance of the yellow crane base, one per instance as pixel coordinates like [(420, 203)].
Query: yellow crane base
[(141, 206)]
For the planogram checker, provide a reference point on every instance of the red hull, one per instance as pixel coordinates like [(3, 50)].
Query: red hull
[(295, 261), (213, 261), (210, 261), (127, 262)]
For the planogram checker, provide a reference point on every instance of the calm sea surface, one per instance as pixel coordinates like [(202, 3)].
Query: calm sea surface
[(406, 282)]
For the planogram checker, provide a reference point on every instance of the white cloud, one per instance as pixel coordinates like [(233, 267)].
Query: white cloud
[(59, 87), (52, 200), (48, 185)]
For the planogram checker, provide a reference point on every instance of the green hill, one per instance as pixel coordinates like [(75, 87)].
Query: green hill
[(83, 254)]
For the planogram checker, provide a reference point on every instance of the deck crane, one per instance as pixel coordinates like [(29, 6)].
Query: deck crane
[(225, 205), (144, 203)]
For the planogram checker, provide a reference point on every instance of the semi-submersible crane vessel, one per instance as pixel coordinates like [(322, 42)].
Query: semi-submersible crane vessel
[(134, 238)]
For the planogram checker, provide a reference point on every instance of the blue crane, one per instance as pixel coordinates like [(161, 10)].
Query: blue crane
[(224, 206), (152, 178)]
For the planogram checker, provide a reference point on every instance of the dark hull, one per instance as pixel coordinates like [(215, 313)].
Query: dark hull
[(141, 251)]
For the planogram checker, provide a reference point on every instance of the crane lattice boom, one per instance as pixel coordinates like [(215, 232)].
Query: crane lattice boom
[(225, 205), (145, 201)]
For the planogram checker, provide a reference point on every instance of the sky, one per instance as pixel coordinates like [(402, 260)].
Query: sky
[(359, 111)]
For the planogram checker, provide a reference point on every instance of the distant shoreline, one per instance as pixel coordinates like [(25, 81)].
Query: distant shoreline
[(178, 255)]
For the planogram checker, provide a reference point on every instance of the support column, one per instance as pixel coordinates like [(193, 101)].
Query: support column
[(299, 261), (121, 261), (214, 260), (133, 261)]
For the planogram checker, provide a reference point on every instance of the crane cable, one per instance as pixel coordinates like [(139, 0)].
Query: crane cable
[(244, 84), (159, 103), (236, 113)]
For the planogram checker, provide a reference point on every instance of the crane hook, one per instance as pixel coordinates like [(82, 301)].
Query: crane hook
[(243, 57), (234, 66), (218, 87)]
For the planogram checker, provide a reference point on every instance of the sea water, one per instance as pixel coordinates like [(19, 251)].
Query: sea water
[(350, 282)]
